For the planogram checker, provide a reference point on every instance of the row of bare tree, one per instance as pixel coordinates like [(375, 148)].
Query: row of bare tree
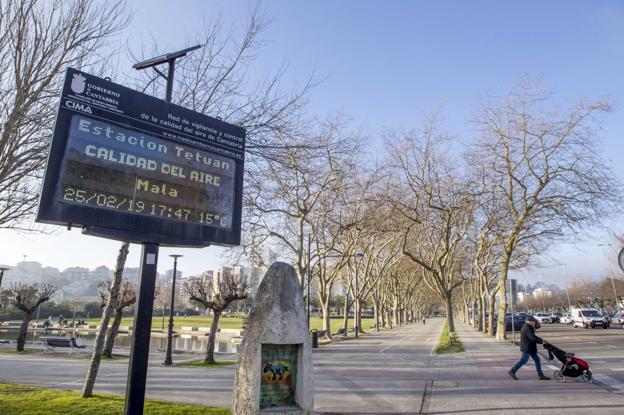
[(429, 212)]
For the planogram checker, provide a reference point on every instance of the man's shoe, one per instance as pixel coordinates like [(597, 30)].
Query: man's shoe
[(512, 374), (544, 377)]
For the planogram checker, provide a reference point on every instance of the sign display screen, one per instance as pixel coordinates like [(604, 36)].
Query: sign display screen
[(116, 168), (128, 163)]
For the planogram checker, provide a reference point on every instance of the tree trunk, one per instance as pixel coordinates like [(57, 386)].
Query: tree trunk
[(475, 315), (324, 293), (211, 338), (87, 390), (502, 310), (395, 312), (483, 311), (326, 319), (358, 317), (384, 313), (112, 334), (345, 319), (23, 331), (449, 313), (376, 308), (492, 306), (502, 297)]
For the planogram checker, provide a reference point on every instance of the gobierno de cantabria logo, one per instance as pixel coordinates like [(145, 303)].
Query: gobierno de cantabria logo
[(78, 83)]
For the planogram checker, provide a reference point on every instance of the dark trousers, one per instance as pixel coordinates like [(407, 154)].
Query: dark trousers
[(524, 359)]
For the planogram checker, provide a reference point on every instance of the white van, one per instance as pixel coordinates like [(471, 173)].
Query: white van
[(588, 318)]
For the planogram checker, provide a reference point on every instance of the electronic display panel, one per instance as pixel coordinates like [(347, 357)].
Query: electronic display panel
[(129, 166)]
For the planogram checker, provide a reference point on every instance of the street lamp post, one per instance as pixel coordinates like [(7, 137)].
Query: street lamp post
[(168, 360), (2, 269), (309, 276), (617, 302), (565, 280)]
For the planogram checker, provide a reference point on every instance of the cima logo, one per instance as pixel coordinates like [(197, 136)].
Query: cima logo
[(78, 83)]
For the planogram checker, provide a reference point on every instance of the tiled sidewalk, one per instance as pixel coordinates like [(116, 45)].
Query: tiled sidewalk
[(476, 382)]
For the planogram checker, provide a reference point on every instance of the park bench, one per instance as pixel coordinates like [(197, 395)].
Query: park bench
[(340, 332), (50, 343)]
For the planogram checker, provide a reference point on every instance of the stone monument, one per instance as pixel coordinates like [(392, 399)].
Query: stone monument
[(274, 374)]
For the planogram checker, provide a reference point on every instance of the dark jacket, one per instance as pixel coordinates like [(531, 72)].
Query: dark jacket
[(528, 339)]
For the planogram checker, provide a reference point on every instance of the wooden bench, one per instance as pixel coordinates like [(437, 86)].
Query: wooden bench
[(50, 343)]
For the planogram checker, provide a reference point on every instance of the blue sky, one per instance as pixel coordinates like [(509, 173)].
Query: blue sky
[(386, 63)]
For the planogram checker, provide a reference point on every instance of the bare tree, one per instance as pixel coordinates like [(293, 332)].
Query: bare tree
[(27, 297), (217, 294), (162, 298), (38, 41), (125, 298), (215, 80), (113, 297), (544, 164), (285, 196), (432, 198)]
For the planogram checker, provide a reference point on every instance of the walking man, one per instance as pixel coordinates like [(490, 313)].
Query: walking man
[(528, 347)]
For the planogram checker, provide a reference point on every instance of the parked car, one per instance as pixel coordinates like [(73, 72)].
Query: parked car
[(543, 318), (618, 318), (565, 319), (555, 317), (518, 321), (588, 317), (608, 317)]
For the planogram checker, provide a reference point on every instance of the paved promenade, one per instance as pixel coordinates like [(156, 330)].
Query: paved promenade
[(476, 382), (392, 372)]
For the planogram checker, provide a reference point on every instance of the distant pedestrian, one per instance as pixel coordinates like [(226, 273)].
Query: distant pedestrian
[(424, 320), (528, 347)]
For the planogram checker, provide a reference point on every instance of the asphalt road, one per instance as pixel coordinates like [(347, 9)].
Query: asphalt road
[(602, 348)]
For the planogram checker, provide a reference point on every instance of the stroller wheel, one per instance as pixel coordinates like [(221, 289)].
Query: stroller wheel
[(587, 377), (559, 377)]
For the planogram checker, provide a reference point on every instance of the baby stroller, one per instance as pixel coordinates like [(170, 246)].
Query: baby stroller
[(573, 367)]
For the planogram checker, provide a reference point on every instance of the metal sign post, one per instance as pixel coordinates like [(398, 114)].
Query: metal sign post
[(139, 348)]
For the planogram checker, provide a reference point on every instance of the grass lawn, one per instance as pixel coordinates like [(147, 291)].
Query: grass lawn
[(26, 400), (26, 351), (445, 346), (200, 363), (232, 322)]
